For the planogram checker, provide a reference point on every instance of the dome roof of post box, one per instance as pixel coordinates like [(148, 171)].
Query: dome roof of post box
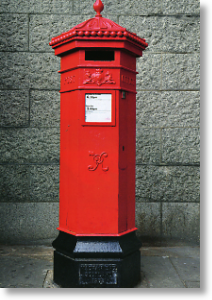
[(98, 28)]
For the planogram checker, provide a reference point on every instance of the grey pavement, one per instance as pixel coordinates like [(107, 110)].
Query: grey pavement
[(161, 267)]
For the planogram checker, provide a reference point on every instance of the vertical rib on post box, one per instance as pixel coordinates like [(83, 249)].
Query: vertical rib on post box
[(97, 245)]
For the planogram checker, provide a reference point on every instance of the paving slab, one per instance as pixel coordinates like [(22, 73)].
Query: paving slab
[(188, 269), (41, 252), (48, 281), (182, 251), (23, 272), (192, 284), (160, 273)]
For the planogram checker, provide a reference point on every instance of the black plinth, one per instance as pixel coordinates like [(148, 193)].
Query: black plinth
[(96, 262)]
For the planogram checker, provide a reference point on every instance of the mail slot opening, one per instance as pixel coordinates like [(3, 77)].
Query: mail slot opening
[(99, 55)]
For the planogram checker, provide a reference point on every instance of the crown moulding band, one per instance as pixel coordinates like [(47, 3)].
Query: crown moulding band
[(98, 34)]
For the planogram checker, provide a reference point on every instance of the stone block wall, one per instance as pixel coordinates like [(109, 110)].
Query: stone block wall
[(168, 104)]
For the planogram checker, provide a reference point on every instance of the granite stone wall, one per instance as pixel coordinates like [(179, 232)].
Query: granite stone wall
[(168, 109)]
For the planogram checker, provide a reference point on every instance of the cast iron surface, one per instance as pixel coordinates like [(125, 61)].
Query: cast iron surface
[(89, 262), (96, 246)]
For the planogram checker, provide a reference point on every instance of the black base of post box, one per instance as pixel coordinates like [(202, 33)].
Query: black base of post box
[(96, 262)]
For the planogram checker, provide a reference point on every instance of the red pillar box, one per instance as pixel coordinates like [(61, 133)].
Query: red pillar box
[(97, 245)]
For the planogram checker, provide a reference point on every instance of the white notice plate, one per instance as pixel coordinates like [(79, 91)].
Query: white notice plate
[(98, 107)]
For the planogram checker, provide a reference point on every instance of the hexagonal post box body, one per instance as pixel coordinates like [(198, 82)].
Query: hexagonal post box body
[(97, 145), (97, 155)]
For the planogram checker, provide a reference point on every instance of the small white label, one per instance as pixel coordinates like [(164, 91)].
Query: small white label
[(98, 107)]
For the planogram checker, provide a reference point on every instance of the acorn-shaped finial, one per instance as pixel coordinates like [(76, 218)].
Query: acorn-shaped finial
[(98, 7)]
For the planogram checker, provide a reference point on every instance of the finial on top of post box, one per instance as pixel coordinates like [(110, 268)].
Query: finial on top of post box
[(98, 7)]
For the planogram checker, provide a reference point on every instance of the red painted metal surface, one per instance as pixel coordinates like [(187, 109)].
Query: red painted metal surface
[(97, 159), (98, 32), (98, 7)]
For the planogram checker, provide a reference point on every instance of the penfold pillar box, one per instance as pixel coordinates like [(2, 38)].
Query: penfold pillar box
[(97, 245)]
